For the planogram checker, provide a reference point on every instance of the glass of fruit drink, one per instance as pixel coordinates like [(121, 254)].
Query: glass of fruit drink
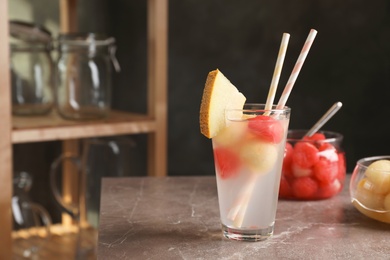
[(248, 156), (370, 187), (313, 167)]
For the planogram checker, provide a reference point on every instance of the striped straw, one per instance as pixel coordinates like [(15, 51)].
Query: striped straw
[(238, 211), (297, 69), (277, 71)]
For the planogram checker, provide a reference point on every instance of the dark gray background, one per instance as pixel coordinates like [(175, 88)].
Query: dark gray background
[(348, 62)]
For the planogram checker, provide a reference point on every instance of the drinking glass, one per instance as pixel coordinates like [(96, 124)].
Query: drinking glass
[(248, 156)]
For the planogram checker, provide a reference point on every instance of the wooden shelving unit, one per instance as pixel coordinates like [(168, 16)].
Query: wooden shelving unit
[(15, 130)]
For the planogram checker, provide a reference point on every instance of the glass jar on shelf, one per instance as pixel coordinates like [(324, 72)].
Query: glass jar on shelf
[(31, 68), (83, 89)]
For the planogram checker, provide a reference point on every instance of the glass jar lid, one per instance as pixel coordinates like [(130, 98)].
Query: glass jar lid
[(29, 32), (90, 42), (85, 39)]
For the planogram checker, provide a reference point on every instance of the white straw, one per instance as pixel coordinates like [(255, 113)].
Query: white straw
[(325, 118)]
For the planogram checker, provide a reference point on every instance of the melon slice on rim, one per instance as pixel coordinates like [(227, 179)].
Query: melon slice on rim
[(219, 94)]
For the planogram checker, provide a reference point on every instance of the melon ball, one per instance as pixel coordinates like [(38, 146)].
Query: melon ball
[(387, 202), (366, 196), (379, 174), (232, 134), (387, 207), (299, 171), (259, 156)]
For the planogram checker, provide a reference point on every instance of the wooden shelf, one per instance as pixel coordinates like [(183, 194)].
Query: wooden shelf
[(53, 127)]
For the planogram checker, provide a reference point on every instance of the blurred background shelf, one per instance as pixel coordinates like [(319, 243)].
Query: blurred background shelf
[(53, 127), (59, 245), (16, 130)]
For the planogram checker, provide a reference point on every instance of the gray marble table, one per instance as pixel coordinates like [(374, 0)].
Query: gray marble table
[(178, 218)]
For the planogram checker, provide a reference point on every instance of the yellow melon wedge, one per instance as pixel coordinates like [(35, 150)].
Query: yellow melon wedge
[(219, 94)]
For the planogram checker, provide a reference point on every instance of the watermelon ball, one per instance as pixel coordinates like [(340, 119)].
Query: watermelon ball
[(342, 169), (284, 188), (325, 171), (324, 146), (315, 137), (330, 189), (266, 128), (328, 151), (305, 154), (227, 162), (304, 188), (287, 160)]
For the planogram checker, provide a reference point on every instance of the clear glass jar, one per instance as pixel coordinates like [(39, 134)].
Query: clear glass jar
[(313, 167), (31, 69), (83, 89), (369, 187)]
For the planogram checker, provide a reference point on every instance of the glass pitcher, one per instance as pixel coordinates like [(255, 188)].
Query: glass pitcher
[(100, 157), (28, 218)]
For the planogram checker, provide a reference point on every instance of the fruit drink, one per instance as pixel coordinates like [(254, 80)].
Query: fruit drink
[(248, 155), (370, 187), (313, 167), (248, 146)]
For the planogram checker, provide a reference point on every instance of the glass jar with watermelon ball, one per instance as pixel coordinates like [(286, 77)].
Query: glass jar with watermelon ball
[(314, 167)]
